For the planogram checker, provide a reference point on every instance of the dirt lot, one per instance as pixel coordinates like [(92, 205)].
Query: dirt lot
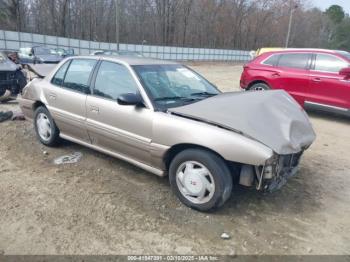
[(102, 205)]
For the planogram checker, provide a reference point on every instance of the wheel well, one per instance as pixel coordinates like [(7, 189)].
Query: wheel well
[(37, 104), (174, 150), (257, 82)]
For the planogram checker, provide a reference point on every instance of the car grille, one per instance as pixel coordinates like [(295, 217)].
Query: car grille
[(3, 75), (7, 75)]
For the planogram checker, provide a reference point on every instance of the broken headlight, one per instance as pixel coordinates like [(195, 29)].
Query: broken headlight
[(268, 171)]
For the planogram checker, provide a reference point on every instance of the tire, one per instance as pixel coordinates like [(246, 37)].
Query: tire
[(259, 87), (44, 124), (219, 178)]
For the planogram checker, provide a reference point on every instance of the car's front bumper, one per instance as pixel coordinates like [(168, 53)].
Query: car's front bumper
[(280, 180), (279, 170)]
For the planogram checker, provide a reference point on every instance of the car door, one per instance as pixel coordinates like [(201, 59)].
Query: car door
[(66, 96), (327, 87), (292, 74), (122, 129)]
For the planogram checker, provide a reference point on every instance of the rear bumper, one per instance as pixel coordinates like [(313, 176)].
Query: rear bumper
[(26, 106)]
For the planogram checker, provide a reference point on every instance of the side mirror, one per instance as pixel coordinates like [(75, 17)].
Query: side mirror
[(345, 72), (130, 99), (30, 54)]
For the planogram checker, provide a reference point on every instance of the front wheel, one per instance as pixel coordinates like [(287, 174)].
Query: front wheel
[(45, 127), (200, 179)]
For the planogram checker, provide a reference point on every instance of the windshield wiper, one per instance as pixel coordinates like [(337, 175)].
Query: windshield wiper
[(203, 94), (174, 98)]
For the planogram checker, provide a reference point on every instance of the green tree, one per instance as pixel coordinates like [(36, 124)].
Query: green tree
[(335, 13), (341, 36)]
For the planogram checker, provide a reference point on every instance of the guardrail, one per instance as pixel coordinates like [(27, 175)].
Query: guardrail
[(14, 40)]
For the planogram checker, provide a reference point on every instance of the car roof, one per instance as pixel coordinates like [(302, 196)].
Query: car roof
[(296, 50), (131, 60)]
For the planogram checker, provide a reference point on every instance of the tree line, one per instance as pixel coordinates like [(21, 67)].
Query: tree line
[(231, 24)]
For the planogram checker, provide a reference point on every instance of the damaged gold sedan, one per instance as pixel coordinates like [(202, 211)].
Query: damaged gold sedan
[(167, 119)]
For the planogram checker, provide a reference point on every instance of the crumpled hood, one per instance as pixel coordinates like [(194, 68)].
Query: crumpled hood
[(271, 117)]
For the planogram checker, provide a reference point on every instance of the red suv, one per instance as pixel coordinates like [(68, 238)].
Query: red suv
[(315, 78)]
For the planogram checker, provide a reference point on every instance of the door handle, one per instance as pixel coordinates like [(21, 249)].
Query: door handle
[(275, 74), (52, 96), (317, 80), (94, 109)]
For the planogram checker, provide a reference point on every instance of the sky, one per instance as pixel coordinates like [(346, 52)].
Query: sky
[(324, 4)]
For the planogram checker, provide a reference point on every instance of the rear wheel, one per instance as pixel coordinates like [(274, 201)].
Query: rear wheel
[(45, 127), (200, 179), (259, 87)]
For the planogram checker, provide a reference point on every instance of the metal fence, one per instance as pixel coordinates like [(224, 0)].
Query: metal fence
[(14, 40)]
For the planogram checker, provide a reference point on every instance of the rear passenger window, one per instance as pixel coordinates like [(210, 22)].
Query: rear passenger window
[(329, 63), (59, 76), (78, 74), (113, 80), (272, 60), (294, 60)]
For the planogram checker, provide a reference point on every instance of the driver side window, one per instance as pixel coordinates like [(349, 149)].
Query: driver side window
[(112, 80)]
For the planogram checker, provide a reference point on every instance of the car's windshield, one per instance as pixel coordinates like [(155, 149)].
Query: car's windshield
[(173, 85), (43, 51)]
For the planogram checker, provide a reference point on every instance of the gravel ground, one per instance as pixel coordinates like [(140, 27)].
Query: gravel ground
[(102, 205)]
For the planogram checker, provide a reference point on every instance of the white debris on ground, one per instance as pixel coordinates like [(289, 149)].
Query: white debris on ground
[(68, 159), (225, 236)]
